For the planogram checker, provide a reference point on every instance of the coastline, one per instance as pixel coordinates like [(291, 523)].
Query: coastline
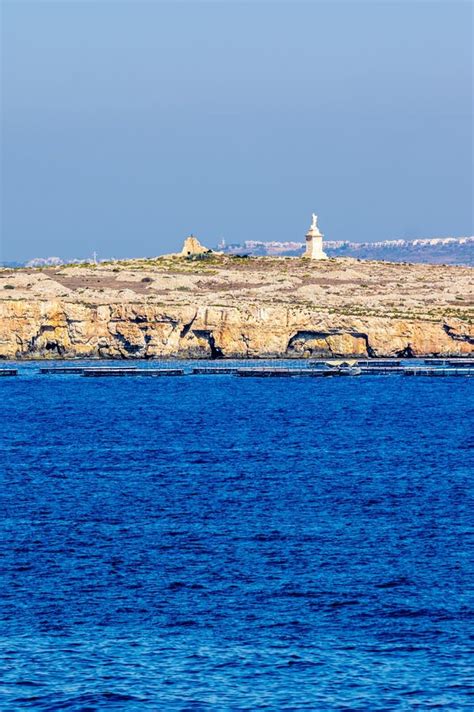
[(222, 308)]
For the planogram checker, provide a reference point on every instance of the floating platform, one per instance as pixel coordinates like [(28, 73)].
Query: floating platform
[(417, 371), (381, 370), (354, 362), (205, 371), (150, 372), (380, 363), (438, 371), (354, 371), (283, 372), (444, 367), (456, 362), (80, 369), (60, 369)]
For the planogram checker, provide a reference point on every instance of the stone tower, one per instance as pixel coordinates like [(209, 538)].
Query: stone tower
[(314, 242)]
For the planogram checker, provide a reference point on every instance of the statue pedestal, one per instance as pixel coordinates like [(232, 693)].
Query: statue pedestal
[(314, 245)]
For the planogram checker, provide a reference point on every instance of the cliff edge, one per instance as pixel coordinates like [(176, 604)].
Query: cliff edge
[(222, 306)]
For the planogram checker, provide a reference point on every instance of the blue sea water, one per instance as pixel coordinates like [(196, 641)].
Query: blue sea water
[(217, 543)]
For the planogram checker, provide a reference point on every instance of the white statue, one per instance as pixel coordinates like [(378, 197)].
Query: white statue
[(314, 241)]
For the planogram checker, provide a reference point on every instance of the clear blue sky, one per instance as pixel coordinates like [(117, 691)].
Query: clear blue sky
[(128, 125)]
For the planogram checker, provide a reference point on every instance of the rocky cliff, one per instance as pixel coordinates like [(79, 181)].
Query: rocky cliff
[(223, 307)]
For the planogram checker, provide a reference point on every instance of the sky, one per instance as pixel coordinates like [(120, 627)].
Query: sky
[(127, 125)]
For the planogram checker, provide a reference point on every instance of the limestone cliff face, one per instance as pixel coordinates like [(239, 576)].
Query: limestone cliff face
[(57, 328)]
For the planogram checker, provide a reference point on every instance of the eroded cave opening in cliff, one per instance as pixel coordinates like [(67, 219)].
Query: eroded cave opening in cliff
[(337, 343), (216, 351)]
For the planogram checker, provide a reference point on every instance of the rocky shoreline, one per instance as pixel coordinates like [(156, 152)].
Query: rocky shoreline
[(114, 331), (185, 312)]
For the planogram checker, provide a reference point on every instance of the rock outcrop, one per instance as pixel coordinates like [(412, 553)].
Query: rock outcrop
[(192, 247), (246, 310), (55, 329)]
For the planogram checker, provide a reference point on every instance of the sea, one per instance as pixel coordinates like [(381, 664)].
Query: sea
[(222, 543)]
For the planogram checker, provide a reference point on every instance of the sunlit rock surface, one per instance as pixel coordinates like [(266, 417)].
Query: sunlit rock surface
[(229, 307)]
